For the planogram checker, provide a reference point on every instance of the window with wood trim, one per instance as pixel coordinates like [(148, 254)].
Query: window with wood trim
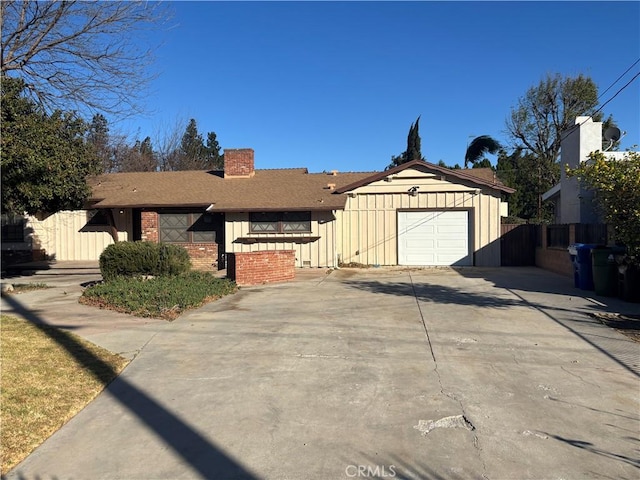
[(186, 227), (280, 222)]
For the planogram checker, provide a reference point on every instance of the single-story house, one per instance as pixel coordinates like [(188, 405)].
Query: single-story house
[(414, 214)]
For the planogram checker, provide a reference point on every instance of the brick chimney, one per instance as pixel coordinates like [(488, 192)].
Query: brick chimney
[(238, 163)]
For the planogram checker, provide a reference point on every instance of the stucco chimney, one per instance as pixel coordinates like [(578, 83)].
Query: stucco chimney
[(238, 162)]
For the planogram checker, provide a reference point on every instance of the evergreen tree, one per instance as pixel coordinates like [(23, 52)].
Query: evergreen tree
[(413, 151), (193, 154), (413, 142), (214, 159), (98, 138), (138, 158)]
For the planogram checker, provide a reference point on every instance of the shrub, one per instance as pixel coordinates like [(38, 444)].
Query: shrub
[(163, 297), (133, 259)]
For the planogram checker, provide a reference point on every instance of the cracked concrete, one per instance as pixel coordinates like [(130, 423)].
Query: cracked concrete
[(307, 378), (454, 421)]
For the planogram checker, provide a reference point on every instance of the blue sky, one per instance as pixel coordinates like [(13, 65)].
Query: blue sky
[(336, 85)]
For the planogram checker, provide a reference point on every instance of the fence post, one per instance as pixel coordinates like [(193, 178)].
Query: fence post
[(572, 233), (544, 239)]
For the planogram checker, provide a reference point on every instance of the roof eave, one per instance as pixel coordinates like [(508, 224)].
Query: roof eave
[(445, 171)]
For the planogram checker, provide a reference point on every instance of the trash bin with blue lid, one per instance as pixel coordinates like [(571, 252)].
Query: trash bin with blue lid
[(583, 272)]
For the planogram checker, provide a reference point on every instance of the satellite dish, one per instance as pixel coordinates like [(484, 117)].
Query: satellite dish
[(612, 134)]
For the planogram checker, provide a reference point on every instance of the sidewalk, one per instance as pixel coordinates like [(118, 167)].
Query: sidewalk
[(118, 332)]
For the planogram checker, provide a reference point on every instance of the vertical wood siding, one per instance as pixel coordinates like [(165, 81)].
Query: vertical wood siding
[(317, 253), (65, 236), (368, 224)]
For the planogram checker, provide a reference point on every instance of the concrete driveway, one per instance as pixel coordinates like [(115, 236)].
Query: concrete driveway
[(425, 374)]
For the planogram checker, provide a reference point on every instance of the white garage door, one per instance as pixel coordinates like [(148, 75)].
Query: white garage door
[(433, 238)]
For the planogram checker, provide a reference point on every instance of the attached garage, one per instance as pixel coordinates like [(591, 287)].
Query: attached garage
[(438, 237), (422, 214)]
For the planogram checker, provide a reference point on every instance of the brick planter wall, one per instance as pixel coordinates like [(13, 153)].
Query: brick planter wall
[(555, 260), (255, 268), (204, 256)]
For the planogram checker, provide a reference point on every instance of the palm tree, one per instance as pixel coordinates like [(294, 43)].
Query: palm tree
[(480, 146)]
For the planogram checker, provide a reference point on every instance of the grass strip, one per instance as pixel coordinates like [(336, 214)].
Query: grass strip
[(44, 384)]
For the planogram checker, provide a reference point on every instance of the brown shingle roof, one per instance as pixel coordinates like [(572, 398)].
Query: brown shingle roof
[(279, 189), (454, 174)]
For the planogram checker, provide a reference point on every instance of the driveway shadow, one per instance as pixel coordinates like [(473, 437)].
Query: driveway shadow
[(434, 293), (192, 446), (512, 287)]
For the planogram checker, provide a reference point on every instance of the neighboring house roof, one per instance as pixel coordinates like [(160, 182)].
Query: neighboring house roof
[(476, 176), (267, 190)]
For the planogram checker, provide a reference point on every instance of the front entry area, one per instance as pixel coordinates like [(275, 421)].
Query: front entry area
[(432, 238)]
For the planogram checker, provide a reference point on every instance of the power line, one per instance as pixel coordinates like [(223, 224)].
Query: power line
[(616, 94), (617, 79)]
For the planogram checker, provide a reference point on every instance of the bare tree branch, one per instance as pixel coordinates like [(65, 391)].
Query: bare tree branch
[(80, 55)]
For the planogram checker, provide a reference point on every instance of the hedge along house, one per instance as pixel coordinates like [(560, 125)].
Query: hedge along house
[(413, 214)]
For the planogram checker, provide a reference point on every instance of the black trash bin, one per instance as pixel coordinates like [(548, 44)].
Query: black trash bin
[(629, 283), (605, 270)]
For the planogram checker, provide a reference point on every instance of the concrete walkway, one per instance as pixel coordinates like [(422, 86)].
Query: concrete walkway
[(380, 373)]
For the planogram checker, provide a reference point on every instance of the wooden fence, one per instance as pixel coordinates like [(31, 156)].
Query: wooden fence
[(518, 243)]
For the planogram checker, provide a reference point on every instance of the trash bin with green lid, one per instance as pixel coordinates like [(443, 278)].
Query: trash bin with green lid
[(605, 270)]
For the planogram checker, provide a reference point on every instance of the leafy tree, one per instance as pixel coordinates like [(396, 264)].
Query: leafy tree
[(79, 55), (479, 147), (617, 183), (520, 170), (536, 124), (45, 159), (413, 151)]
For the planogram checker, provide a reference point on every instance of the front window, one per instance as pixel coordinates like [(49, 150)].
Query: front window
[(186, 227), (280, 222), (12, 228)]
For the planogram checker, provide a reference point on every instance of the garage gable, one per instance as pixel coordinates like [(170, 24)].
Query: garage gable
[(421, 214), (429, 177)]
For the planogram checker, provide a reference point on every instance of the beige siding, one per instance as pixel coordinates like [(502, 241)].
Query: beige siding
[(368, 224), (66, 236), (316, 253)]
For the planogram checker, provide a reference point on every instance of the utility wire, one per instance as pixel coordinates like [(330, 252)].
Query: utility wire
[(617, 79), (616, 94)]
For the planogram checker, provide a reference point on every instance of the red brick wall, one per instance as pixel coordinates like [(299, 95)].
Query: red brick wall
[(204, 256), (150, 226), (554, 259), (255, 268), (238, 162)]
